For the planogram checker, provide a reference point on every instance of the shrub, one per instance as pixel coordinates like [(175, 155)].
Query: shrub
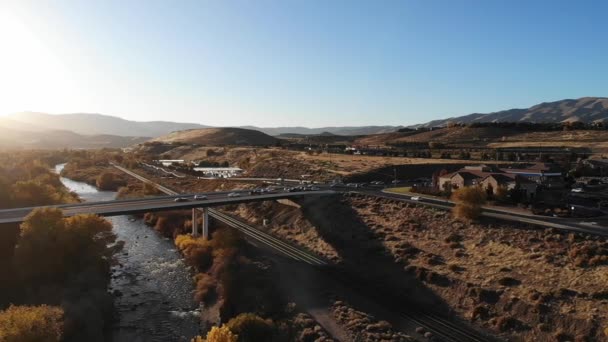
[(196, 251), (218, 334), (469, 202), (251, 328), (205, 285), (106, 181), (31, 324), (51, 248)]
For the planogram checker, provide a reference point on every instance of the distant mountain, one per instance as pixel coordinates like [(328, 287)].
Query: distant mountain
[(586, 109), (346, 130), (57, 139), (219, 136), (93, 124), (88, 124)]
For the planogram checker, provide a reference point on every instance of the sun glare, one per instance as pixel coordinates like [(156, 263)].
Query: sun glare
[(31, 76)]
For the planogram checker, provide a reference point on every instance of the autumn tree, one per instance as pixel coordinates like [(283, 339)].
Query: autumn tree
[(251, 328), (31, 324), (106, 181), (50, 248), (218, 334), (469, 202)]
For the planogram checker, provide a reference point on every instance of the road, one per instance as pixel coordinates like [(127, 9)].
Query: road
[(568, 224), (160, 203)]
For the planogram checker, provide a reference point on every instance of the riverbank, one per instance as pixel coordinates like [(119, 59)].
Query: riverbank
[(151, 285), (54, 269)]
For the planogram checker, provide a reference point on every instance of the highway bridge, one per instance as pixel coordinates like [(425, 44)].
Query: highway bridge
[(160, 203)]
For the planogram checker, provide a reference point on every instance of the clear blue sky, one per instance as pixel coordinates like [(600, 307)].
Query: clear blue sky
[(301, 62)]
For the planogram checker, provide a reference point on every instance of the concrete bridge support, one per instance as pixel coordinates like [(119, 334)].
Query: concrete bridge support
[(196, 212)]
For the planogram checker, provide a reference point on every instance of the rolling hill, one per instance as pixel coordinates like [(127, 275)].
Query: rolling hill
[(219, 136), (58, 139), (88, 124), (585, 109), (94, 124)]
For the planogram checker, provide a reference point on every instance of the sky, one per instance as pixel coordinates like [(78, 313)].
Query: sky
[(298, 62)]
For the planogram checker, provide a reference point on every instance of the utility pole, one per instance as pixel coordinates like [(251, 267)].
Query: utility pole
[(395, 175)]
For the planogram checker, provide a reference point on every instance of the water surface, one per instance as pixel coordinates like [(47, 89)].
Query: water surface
[(153, 285)]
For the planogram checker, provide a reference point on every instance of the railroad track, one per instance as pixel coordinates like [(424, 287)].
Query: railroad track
[(439, 326), (267, 239)]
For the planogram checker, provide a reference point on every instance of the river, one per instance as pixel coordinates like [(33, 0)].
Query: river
[(154, 286)]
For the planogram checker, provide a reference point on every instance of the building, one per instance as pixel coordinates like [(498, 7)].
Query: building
[(169, 162), (538, 172), (490, 179), (219, 172)]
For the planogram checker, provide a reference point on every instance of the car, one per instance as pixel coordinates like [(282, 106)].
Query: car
[(577, 190), (415, 198), (200, 197), (314, 188), (234, 194), (180, 199)]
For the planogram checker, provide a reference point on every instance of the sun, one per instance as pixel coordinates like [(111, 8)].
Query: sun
[(31, 74)]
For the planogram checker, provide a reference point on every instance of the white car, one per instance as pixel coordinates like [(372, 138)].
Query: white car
[(415, 198), (200, 197), (577, 190), (234, 194)]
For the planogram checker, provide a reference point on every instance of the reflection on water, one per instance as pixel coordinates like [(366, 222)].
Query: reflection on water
[(153, 286)]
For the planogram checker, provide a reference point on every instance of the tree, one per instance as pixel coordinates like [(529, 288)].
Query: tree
[(52, 249), (218, 334), (469, 202), (106, 181), (31, 324), (251, 328)]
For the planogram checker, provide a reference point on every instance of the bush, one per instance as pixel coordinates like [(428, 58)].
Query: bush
[(251, 328), (51, 248), (196, 251), (205, 286), (31, 324), (469, 202), (218, 334)]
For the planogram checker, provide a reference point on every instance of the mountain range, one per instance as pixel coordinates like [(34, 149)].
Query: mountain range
[(82, 130), (91, 124), (585, 109)]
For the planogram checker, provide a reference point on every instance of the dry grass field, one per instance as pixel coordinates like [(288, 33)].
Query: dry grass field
[(494, 137), (522, 283)]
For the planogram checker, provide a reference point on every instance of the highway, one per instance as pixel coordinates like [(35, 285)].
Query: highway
[(568, 224), (160, 203)]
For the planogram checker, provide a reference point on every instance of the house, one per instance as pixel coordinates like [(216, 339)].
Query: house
[(536, 171), (511, 182), (467, 176), (488, 178)]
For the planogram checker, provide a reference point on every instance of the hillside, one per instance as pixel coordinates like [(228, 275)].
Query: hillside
[(89, 124), (93, 124), (57, 139), (345, 130), (219, 136), (493, 137), (585, 109)]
